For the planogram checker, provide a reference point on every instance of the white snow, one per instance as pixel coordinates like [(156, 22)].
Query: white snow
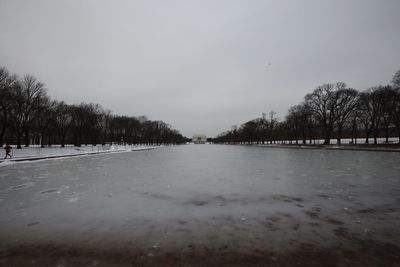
[(29, 153)]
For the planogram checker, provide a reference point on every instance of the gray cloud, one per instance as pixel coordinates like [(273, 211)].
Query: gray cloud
[(201, 66)]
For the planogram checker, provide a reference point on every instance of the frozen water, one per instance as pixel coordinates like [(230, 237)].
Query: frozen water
[(242, 198)]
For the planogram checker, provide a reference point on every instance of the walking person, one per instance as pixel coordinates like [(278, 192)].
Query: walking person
[(8, 149)]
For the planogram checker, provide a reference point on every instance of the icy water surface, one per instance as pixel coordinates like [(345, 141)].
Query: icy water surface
[(203, 205)]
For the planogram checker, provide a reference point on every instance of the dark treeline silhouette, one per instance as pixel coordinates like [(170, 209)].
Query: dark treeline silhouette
[(330, 111), (29, 116)]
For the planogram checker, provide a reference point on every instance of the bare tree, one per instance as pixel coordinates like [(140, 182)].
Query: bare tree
[(29, 94), (234, 131), (330, 107), (293, 121), (105, 125), (346, 103), (374, 109), (323, 104), (368, 112), (45, 120), (248, 131), (298, 121), (387, 103), (396, 112), (396, 80), (272, 123), (63, 120), (396, 107), (86, 123), (354, 120), (7, 96)]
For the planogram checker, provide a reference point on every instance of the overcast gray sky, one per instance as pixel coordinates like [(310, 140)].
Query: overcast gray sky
[(203, 65)]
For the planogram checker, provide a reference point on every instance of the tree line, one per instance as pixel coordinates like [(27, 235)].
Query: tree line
[(29, 116), (330, 111)]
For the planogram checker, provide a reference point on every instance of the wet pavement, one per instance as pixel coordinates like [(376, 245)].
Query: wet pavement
[(199, 205)]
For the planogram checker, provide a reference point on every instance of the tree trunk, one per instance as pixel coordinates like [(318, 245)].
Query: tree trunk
[(339, 137), (63, 140), (387, 134), (49, 140), (26, 138), (18, 141), (2, 133), (327, 135), (4, 126), (79, 143), (354, 134), (303, 137), (327, 139), (42, 138), (375, 133)]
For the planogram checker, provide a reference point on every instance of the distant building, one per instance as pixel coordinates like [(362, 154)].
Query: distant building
[(199, 139)]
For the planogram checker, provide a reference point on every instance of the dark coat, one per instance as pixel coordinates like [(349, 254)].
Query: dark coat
[(8, 148)]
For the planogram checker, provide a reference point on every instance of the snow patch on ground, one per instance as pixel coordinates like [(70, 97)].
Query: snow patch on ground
[(39, 153), (7, 163)]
